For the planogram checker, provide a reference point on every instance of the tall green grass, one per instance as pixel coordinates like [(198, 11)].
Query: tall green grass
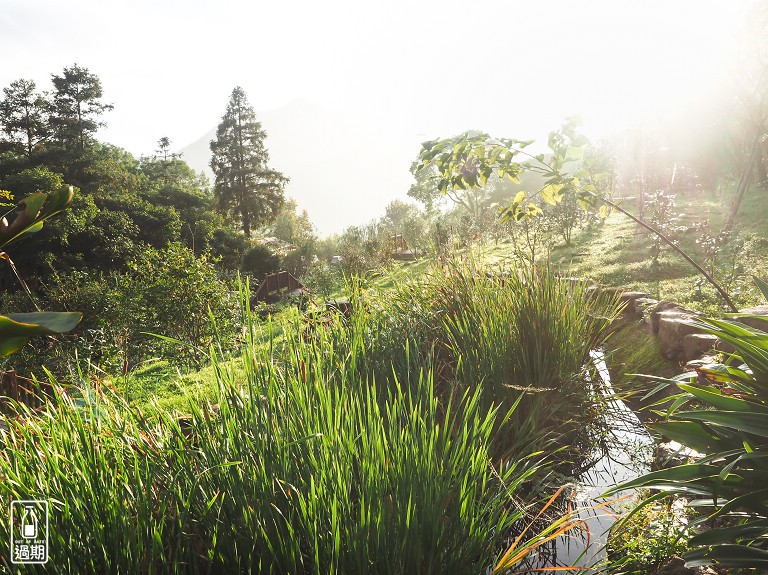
[(393, 441), (520, 334)]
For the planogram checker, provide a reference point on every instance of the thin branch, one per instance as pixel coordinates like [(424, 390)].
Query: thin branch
[(679, 250)]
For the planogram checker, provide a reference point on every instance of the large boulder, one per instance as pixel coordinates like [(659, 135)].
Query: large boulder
[(644, 306), (672, 329), (662, 307), (757, 323), (628, 299), (697, 344)]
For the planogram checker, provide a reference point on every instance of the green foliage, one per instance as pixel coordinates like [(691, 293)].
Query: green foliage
[(728, 428), (179, 293), (322, 280), (652, 535), (258, 260), (469, 160)]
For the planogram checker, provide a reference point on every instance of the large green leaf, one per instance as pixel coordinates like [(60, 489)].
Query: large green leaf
[(725, 402), (726, 534), (754, 423), (727, 556), (762, 286), (17, 328), (35, 209)]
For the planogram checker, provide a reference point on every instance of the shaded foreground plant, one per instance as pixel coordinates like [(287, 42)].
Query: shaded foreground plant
[(727, 422), (16, 329)]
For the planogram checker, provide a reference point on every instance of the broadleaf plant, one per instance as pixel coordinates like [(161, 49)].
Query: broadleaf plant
[(725, 421), (17, 329)]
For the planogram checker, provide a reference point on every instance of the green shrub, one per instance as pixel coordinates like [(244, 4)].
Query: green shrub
[(651, 537), (181, 293), (259, 261)]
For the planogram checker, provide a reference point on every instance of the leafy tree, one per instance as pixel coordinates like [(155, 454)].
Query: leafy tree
[(424, 188), (164, 157), (468, 161), (404, 218), (292, 227), (427, 189), (77, 107), (295, 229), (23, 115), (245, 187)]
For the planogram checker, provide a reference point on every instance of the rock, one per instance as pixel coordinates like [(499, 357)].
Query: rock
[(643, 306), (724, 347), (695, 364), (697, 344), (659, 308), (672, 329), (675, 566), (761, 310), (672, 454), (628, 299)]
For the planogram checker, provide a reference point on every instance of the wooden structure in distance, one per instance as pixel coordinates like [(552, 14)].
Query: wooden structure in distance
[(278, 282), (399, 248)]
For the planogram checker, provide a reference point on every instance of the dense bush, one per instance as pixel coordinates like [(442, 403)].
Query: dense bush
[(182, 296), (259, 261), (170, 292)]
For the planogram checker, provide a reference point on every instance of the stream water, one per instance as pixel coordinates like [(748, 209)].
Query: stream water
[(627, 457)]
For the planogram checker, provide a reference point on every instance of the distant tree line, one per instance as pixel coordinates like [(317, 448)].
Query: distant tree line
[(137, 222)]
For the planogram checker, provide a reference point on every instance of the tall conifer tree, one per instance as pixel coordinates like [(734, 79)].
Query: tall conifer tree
[(23, 115), (245, 187), (77, 107)]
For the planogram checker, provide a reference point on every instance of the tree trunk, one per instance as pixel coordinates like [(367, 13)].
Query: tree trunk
[(745, 178)]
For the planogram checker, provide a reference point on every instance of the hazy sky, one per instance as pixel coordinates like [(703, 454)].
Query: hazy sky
[(423, 69)]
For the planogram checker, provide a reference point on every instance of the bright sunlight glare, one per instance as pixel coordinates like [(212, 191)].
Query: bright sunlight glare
[(384, 75)]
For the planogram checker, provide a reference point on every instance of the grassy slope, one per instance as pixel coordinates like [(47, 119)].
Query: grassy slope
[(618, 253), (615, 253)]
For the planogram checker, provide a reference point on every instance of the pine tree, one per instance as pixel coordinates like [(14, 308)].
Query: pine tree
[(77, 107), (23, 115), (245, 187)]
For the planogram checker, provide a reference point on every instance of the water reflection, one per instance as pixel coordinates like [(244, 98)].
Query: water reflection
[(627, 455)]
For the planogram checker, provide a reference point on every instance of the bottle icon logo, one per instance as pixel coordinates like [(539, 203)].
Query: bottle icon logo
[(29, 532), (29, 523)]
